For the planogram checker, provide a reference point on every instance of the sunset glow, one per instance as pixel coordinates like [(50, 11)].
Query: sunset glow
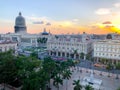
[(64, 16)]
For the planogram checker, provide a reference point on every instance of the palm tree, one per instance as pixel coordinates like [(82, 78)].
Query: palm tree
[(88, 87), (57, 81), (77, 85), (70, 63), (103, 60), (88, 56), (67, 75), (82, 55), (117, 67), (109, 67)]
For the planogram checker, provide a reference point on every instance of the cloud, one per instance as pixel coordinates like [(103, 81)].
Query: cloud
[(107, 22), (48, 23), (38, 22), (117, 5), (75, 20), (36, 18), (103, 11), (6, 21)]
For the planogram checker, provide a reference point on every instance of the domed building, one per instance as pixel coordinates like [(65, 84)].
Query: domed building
[(20, 26), (109, 36), (44, 32)]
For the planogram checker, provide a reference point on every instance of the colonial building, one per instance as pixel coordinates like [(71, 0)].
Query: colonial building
[(7, 45), (107, 50), (70, 46), (23, 38)]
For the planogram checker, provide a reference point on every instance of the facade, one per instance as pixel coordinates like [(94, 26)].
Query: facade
[(20, 25), (107, 49), (24, 39), (69, 46), (7, 45)]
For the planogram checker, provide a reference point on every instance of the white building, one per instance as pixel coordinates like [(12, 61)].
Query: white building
[(25, 39), (70, 46), (7, 45), (107, 49), (22, 39)]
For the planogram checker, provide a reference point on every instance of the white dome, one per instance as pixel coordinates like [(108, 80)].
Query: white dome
[(20, 21), (20, 26)]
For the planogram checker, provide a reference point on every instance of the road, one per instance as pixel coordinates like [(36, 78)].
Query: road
[(89, 64)]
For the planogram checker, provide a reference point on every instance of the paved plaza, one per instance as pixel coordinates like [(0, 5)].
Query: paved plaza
[(109, 83)]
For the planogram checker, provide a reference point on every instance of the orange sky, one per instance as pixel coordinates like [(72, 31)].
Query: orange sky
[(67, 27), (61, 17)]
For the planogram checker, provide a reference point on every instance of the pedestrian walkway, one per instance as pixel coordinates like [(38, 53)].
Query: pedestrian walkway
[(109, 83)]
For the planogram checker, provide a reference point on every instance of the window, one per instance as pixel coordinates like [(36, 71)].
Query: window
[(99, 53)]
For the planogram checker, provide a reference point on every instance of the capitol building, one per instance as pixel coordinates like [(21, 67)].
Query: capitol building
[(21, 36), (20, 25)]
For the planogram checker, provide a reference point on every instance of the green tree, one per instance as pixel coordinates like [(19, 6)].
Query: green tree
[(118, 66), (32, 82), (88, 56), (109, 67), (34, 54), (8, 71), (27, 72), (88, 87), (118, 88), (103, 61), (57, 81), (44, 78), (82, 55), (67, 74), (77, 85), (49, 67), (70, 63), (42, 40)]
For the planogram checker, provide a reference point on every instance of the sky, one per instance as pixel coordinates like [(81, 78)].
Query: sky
[(62, 16)]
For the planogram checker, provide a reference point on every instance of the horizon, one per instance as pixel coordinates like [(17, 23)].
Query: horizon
[(62, 17)]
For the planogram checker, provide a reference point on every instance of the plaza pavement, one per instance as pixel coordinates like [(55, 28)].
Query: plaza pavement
[(109, 83)]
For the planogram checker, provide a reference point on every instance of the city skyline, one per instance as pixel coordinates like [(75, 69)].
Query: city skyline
[(64, 16)]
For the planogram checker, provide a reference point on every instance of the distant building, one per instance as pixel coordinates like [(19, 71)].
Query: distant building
[(44, 32), (108, 49), (20, 25), (109, 36), (69, 46), (7, 45), (98, 37)]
